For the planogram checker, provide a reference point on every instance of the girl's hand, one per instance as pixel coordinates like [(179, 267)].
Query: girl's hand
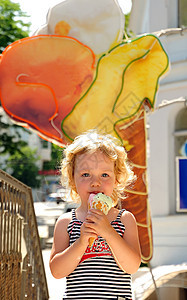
[(87, 231), (99, 223)]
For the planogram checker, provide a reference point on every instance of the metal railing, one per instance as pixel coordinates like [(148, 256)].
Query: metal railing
[(22, 273)]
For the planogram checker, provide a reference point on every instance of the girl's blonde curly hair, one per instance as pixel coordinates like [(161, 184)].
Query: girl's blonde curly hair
[(90, 142)]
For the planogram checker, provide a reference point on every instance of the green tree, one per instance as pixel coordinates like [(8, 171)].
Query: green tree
[(12, 28), (56, 157), (23, 167), (10, 143)]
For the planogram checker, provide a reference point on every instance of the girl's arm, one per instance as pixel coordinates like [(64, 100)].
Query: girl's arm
[(126, 250), (64, 258)]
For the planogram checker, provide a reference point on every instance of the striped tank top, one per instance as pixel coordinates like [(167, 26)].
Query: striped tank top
[(97, 276)]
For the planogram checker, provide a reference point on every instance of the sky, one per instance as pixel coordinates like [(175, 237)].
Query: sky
[(37, 9)]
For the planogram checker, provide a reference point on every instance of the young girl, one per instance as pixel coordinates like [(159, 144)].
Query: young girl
[(94, 163)]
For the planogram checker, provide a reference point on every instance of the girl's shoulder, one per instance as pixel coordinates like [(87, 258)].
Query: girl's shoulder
[(64, 220), (66, 216), (127, 214), (128, 218), (123, 214), (115, 214)]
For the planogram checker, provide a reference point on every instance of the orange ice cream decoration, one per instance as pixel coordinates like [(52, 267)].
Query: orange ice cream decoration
[(77, 73), (41, 78)]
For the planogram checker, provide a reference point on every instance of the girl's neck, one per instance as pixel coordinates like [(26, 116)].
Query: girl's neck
[(81, 212)]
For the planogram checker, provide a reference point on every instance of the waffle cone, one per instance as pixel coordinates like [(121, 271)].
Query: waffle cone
[(91, 241), (136, 200)]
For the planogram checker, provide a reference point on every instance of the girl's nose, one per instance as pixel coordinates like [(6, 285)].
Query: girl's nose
[(95, 182)]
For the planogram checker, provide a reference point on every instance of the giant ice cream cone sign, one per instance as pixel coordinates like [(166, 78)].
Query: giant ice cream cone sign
[(77, 73)]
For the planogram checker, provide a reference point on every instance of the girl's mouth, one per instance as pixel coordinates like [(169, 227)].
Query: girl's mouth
[(96, 192)]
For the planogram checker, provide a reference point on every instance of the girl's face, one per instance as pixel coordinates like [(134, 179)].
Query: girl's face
[(94, 173)]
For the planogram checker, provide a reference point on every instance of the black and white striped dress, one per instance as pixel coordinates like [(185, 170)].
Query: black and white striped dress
[(97, 276)]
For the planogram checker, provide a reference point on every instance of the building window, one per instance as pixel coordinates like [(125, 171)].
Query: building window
[(181, 174), (181, 160), (182, 13), (45, 144)]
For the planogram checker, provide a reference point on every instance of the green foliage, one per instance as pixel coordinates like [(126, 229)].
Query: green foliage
[(56, 157), (12, 26), (10, 143), (23, 167)]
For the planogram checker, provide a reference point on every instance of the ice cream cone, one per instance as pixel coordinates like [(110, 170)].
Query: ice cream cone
[(99, 201)]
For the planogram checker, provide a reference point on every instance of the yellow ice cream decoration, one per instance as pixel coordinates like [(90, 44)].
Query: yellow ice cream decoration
[(125, 77)]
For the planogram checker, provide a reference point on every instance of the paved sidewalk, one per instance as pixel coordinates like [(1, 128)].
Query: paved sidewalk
[(56, 286)]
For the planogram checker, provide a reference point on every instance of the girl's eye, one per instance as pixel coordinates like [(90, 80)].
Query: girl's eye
[(105, 175), (85, 175)]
